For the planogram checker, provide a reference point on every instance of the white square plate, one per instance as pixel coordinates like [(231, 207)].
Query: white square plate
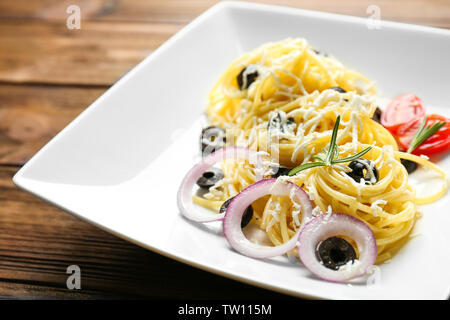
[(119, 164)]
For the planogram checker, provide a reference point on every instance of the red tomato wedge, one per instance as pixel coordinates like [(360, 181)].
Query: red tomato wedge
[(437, 143), (401, 111)]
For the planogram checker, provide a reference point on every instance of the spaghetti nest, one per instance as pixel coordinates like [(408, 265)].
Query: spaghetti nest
[(286, 70), (388, 206), (287, 114)]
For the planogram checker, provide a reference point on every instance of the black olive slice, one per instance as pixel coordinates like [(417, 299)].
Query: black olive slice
[(360, 170), (280, 171), (410, 166), (212, 139), (284, 125), (338, 89), (247, 76), (335, 252), (246, 217), (377, 115), (275, 122), (324, 54), (210, 177)]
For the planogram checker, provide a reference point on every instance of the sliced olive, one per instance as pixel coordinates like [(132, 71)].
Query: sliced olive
[(246, 217), (247, 76), (275, 122), (282, 124), (410, 166), (280, 171), (377, 115), (338, 89), (360, 170), (212, 139), (335, 252), (320, 53), (210, 177)]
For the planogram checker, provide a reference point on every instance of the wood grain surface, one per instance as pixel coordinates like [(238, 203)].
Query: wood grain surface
[(48, 75)]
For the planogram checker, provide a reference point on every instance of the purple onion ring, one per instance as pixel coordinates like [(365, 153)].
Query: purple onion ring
[(328, 225), (184, 196), (232, 221)]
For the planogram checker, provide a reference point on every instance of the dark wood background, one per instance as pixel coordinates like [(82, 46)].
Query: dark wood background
[(48, 75)]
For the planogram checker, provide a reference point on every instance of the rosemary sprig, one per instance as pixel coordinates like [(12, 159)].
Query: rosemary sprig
[(331, 154), (423, 133)]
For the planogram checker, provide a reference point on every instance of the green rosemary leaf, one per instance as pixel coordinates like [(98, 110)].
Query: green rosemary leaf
[(354, 157), (305, 166), (423, 133), (333, 148), (331, 156)]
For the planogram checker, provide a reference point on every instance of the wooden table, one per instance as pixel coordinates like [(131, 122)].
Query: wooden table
[(48, 75)]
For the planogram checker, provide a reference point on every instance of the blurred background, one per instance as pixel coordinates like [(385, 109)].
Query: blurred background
[(56, 58)]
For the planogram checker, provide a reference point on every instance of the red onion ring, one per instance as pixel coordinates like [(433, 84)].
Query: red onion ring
[(184, 197), (232, 222), (327, 225)]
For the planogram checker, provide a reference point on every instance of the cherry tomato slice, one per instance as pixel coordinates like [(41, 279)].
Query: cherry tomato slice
[(402, 110), (437, 143)]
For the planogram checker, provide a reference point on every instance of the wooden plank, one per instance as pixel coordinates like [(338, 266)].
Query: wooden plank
[(38, 242), (20, 290), (102, 50), (98, 54), (31, 115), (434, 13)]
